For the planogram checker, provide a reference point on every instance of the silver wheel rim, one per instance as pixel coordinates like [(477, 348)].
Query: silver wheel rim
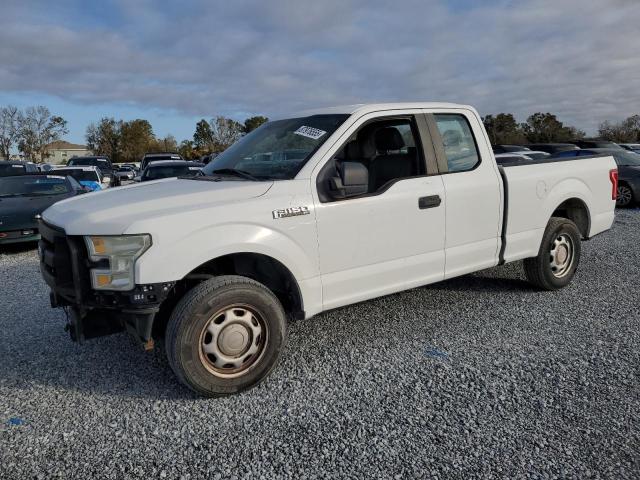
[(624, 195), (232, 341), (561, 255)]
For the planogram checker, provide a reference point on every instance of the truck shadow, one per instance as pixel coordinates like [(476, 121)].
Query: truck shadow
[(43, 356), (15, 248)]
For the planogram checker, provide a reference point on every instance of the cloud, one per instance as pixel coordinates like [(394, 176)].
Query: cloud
[(574, 58)]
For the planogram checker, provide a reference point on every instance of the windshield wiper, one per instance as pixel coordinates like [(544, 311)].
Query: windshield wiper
[(235, 172)]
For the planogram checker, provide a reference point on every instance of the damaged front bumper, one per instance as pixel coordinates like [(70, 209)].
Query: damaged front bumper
[(65, 265)]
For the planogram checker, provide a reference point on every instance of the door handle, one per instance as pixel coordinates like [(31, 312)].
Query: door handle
[(431, 201)]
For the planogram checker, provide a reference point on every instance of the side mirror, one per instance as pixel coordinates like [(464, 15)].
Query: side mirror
[(352, 180)]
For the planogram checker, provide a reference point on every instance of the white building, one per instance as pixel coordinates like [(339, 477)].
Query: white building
[(59, 152)]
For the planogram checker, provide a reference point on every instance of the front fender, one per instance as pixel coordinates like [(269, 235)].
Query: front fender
[(172, 261)]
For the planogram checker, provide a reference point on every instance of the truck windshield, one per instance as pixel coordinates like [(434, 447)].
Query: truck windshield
[(32, 186), (277, 150)]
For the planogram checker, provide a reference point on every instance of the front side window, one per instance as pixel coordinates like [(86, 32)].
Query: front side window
[(277, 150), (385, 150), (459, 144)]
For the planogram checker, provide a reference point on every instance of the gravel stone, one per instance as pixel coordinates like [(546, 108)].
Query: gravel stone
[(479, 376)]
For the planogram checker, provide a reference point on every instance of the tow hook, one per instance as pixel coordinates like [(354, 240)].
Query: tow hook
[(148, 345)]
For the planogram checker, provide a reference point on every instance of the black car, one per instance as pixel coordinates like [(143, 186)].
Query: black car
[(596, 143), (16, 168), (508, 148), (170, 168), (628, 171), (102, 162), (158, 157), (24, 197), (552, 148)]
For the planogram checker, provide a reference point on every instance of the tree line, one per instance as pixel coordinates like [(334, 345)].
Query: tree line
[(30, 130), (128, 141), (546, 128)]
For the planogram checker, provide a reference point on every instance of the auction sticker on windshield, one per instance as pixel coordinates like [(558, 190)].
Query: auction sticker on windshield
[(310, 132)]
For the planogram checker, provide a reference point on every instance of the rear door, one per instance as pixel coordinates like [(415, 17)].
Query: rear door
[(473, 191)]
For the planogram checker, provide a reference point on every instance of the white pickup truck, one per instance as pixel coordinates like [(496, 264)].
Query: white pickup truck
[(307, 214)]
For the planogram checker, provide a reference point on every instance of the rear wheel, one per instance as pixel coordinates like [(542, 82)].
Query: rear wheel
[(558, 258), (625, 195), (225, 335)]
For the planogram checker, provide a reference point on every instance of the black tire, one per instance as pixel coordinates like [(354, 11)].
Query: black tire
[(199, 311), (625, 195), (540, 271)]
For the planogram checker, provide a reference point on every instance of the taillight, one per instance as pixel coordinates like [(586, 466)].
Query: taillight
[(613, 176)]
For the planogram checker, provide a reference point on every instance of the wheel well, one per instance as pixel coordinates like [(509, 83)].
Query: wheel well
[(261, 268), (575, 210)]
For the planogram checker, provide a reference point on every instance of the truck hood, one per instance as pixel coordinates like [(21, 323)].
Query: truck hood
[(112, 211)]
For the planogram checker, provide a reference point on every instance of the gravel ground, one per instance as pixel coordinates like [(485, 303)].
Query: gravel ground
[(480, 376)]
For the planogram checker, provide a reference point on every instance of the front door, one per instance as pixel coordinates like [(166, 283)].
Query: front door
[(391, 238)]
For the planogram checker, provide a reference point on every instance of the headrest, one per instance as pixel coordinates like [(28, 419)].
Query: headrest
[(451, 138), (352, 150), (388, 138)]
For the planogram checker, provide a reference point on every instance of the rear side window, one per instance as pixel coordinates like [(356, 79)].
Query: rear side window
[(459, 145)]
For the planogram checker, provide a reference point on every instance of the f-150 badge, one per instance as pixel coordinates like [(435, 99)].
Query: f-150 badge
[(290, 212)]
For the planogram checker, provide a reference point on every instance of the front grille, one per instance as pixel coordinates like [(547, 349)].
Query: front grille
[(62, 262)]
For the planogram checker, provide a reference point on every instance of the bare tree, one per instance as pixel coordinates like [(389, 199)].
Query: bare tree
[(627, 131), (225, 132), (10, 118), (38, 128)]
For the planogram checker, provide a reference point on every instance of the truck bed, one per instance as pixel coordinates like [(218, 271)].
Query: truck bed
[(533, 190)]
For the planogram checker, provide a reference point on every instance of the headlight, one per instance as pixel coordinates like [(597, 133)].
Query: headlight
[(121, 252)]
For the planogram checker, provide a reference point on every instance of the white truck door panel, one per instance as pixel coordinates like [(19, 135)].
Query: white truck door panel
[(380, 244), (473, 190)]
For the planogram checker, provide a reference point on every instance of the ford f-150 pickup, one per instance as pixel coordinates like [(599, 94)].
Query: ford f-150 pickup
[(306, 214)]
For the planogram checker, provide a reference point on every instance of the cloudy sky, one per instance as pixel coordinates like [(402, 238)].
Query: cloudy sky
[(176, 62)]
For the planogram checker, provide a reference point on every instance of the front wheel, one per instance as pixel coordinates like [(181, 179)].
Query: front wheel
[(558, 257), (225, 335)]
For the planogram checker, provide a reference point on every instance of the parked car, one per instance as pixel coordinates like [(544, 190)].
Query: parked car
[(24, 197), (633, 147), (169, 168), (508, 148), (45, 167), (102, 162), (596, 143), (552, 148), (628, 171), (533, 154), (90, 177), (217, 263), (158, 157), (207, 158), (511, 159), (125, 172), (9, 168), (132, 166)]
